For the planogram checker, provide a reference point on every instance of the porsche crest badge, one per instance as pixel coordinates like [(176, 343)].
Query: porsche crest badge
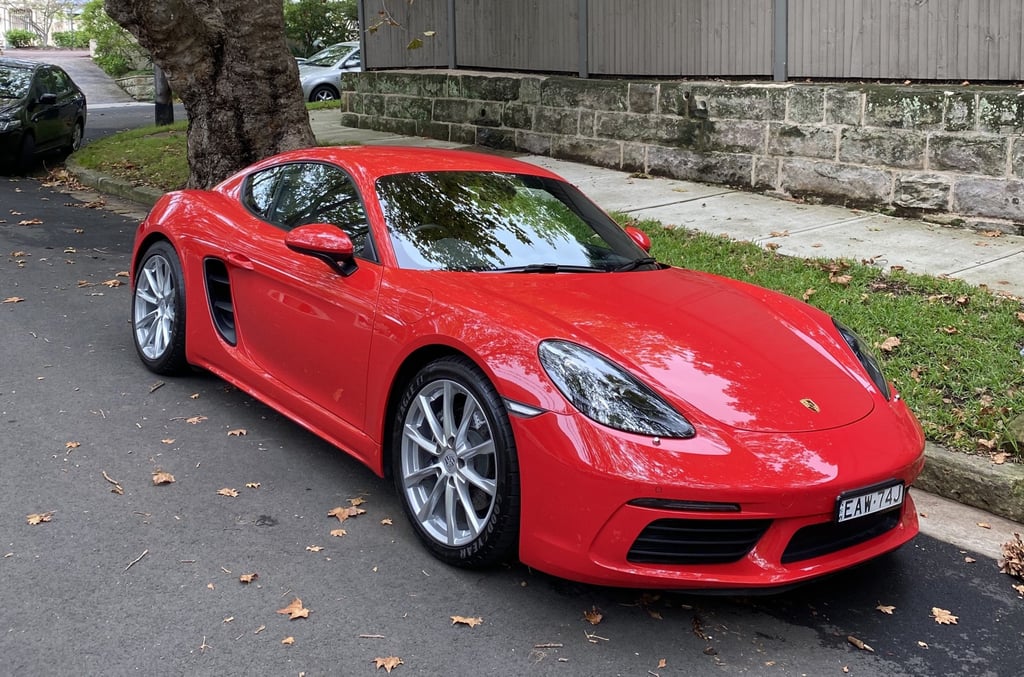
[(810, 404)]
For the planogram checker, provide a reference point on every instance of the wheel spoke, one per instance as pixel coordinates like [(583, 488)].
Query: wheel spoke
[(450, 504), (146, 295), (484, 484), (414, 436), (467, 418), (472, 520), (427, 509), (417, 476), (447, 402), (428, 415), (483, 449)]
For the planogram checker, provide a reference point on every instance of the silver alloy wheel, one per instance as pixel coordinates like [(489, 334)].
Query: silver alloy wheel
[(448, 463), (76, 137), (154, 307)]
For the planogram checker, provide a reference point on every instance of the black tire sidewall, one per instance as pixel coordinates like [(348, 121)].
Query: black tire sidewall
[(500, 538), (172, 361)]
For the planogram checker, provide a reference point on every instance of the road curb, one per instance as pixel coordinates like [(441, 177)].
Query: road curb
[(971, 480)]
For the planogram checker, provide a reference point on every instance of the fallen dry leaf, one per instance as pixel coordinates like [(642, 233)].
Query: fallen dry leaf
[(72, 445), (467, 620), (195, 419), (389, 663), (169, 440), (288, 641), (593, 616), (227, 491), (314, 548), (1020, 317), (779, 233), (1012, 562), (237, 432), (295, 610), (943, 616), (1019, 589), (252, 485), (886, 608), (358, 500), (843, 280), (13, 299), (1000, 458), (859, 644), (39, 517), (31, 222), (662, 664), (194, 396), (162, 477), (890, 344), (970, 560), (386, 521), (112, 283), (921, 644), (338, 532), (984, 525), (344, 513), (950, 330), (248, 578)]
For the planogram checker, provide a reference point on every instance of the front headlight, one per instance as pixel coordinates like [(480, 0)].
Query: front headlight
[(866, 356), (606, 393), (9, 125)]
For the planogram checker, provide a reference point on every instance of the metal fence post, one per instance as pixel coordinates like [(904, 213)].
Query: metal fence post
[(584, 54), (780, 53), (452, 63)]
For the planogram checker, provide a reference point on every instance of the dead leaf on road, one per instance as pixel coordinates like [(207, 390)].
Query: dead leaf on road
[(943, 616), (344, 513), (662, 664), (227, 491), (386, 521), (295, 610), (358, 500), (31, 222), (13, 299), (467, 620), (1012, 562), (288, 641), (252, 485), (886, 608), (248, 578), (237, 432), (39, 517), (72, 445), (162, 477), (112, 283), (389, 663), (314, 548), (984, 525), (195, 419), (338, 532), (593, 616)]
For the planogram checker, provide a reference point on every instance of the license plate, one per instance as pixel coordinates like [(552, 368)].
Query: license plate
[(863, 502)]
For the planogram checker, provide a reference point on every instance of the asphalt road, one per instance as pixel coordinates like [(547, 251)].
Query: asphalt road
[(147, 582)]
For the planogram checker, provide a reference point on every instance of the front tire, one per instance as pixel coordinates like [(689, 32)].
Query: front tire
[(455, 464), (323, 93), (158, 310)]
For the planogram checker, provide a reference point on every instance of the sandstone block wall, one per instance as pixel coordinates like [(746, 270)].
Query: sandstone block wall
[(955, 154)]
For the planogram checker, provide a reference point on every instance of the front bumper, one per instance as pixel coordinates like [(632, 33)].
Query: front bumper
[(582, 520)]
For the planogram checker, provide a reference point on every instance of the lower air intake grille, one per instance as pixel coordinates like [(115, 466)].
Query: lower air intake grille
[(822, 539), (696, 541)]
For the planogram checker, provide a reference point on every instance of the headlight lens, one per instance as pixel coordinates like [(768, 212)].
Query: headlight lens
[(606, 393), (867, 358), (9, 125)]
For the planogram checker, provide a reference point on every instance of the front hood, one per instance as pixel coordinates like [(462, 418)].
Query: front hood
[(9, 107), (744, 356)]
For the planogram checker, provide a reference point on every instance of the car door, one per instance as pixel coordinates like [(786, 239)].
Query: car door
[(68, 104), (308, 327), (45, 117)]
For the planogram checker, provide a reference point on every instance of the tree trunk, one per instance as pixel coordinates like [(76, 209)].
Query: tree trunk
[(228, 61)]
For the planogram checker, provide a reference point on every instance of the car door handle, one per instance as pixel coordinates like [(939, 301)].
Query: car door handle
[(239, 261)]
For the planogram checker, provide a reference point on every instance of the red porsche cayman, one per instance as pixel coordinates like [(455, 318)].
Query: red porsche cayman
[(536, 384)]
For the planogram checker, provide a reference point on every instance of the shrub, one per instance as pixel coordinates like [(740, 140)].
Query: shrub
[(75, 39), (117, 52), (19, 37)]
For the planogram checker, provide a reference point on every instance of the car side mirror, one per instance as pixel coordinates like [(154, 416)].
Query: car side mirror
[(48, 99), (639, 237), (328, 243)]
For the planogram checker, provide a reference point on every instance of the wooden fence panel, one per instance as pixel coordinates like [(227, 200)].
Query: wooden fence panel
[(388, 46), (531, 35)]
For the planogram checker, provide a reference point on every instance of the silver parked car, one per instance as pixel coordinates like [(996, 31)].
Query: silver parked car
[(320, 74)]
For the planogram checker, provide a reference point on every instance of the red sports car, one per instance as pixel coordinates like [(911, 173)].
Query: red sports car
[(536, 384)]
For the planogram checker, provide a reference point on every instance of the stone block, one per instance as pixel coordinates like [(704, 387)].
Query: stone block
[(806, 105), (960, 110), (396, 126), (408, 107), (802, 140), (887, 147), (1017, 157), (834, 182), (1001, 112), (454, 110), (502, 139), (465, 134), (843, 106), (518, 115), (489, 87), (742, 102), (661, 129), (643, 97), (904, 108), (531, 142), (922, 191), (634, 157), (396, 82), (485, 113), (529, 89), (602, 153), (994, 198), (968, 154), (562, 92), (766, 173), (736, 136), (557, 120), (721, 168), (588, 123), (373, 104), (350, 120), (434, 130)]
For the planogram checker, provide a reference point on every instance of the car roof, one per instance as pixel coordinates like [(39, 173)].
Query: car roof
[(373, 162), (20, 63)]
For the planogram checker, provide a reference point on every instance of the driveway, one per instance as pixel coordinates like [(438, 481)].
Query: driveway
[(98, 87)]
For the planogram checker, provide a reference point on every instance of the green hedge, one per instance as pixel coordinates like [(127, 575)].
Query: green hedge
[(76, 39), (19, 37)]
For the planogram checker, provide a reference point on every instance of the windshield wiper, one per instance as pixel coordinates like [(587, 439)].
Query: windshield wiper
[(547, 268), (635, 263)]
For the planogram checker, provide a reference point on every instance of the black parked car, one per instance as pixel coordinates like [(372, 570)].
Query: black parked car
[(41, 110)]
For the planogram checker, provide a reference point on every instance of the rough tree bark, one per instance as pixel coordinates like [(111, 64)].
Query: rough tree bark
[(228, 61)]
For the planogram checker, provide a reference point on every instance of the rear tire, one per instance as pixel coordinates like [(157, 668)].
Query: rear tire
[(455, 465), (158, 310), (77, 134)]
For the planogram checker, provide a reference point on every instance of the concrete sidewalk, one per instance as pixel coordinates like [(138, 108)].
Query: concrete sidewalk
[(798, 229)]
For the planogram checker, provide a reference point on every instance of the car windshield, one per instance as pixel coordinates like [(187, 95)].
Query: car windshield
[(483, 221), (14, 82), (329, 56)]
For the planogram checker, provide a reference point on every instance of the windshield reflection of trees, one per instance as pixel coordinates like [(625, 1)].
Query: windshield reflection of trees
[(487, 221), (14, 82)]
